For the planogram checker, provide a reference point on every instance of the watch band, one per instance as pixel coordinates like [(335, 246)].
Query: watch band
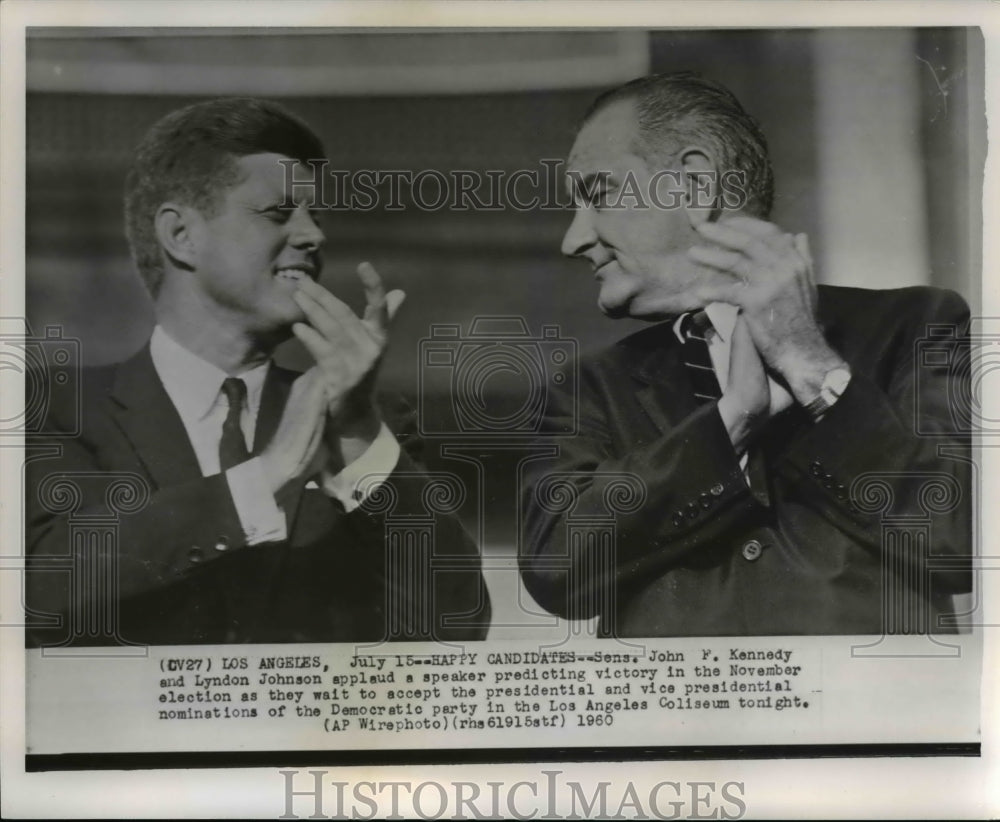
[(834, 384)]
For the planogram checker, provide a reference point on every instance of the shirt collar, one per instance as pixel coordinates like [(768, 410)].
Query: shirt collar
[(193, 384), (722, 316)]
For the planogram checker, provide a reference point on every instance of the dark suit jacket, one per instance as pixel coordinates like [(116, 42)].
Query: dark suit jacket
[(185, 573), (854, 524)]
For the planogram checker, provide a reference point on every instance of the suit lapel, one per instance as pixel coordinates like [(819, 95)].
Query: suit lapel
[(151, 424), (649, 398), (664, 394)]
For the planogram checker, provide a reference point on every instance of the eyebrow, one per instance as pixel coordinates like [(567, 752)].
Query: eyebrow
[(286, 203), (265, 204)]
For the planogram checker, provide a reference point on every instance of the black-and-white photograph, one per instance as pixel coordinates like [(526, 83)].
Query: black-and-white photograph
[(415, 396), (780, 401)]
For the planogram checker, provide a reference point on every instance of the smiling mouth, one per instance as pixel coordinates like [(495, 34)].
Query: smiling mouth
[(296, 273)]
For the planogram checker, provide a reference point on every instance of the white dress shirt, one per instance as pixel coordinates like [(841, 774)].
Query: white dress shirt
[(194, 387)]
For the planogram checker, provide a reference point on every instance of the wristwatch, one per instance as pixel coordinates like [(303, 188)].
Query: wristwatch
[(834, 385)]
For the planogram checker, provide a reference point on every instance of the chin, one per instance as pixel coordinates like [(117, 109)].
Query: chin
[(278, 318), (651, 313), (654, 306), (615, 312), (632, 307), (615, 303), (613, 307), (272, 335)]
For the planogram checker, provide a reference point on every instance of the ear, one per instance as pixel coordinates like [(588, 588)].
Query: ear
[(701, 185), (176, 231)]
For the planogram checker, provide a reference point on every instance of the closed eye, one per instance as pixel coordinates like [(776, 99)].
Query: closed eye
[(591, 190), (602, 197), (277, 213)]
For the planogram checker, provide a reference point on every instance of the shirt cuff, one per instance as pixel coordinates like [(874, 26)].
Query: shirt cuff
[(379, 458), (260, 517)]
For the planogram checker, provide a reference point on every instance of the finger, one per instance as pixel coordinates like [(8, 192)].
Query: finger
[(744, 357), (374, 291), (334, 361), (318, 319), (315, 343), (729, 262), (393, 300), (801, 242), (751, 225), (742, 338), (720, 289), (746, 371), (337, 309), (802, 246), (340, 329), (734, 238), (376, 310)]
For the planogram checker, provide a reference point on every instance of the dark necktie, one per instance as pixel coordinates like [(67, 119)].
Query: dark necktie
[(233, 445), (694, 328)]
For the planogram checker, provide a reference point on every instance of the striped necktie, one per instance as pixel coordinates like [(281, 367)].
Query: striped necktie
[(694, 328)]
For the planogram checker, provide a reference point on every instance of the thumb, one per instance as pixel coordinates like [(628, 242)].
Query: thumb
[(393, 300), (742, 353), (309, 387), (741, 334), (802, 246)]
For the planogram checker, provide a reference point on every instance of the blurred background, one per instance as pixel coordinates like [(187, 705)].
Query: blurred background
[(877, 139)]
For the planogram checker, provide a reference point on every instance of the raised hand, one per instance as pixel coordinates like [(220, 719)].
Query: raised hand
[(745, 404), (348, 349), (771, 280), (296, 448)]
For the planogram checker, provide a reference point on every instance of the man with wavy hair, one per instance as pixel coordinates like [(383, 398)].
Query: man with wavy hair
[(256, 527)]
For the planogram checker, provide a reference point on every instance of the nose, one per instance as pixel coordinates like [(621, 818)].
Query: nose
[(581, 234), (304, 230)]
